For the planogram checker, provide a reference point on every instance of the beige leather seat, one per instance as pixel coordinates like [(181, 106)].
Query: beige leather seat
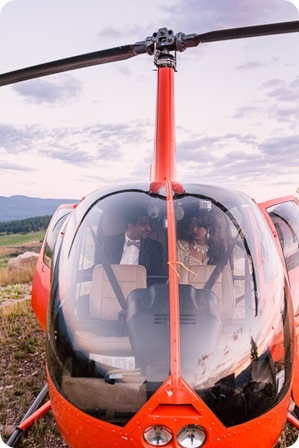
[(104, 311), (197, 276), (103, 303)]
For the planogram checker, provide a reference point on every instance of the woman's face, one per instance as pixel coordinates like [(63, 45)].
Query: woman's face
[(198, 229)]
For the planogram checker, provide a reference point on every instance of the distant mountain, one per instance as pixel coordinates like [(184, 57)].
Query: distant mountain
[(21, 207)]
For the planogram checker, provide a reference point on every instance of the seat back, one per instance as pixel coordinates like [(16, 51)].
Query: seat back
[(149, 330), (103, 302), (197, 276)]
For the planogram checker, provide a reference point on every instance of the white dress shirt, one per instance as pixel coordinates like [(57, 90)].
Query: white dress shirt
[(130, 253)]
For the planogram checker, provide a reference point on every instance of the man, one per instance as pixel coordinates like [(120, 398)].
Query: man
[(135, 246)]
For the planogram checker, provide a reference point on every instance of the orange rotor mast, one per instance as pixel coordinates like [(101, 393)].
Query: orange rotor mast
[(164, 176)]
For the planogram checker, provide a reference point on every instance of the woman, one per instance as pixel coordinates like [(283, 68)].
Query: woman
[(201, 241)]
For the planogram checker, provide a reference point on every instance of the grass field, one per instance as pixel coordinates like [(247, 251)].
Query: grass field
[(16, 244), (22, 349), (20, 239)]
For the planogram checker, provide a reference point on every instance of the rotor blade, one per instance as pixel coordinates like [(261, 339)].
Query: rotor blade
[(129, 51), (192, 40), (72, 63)]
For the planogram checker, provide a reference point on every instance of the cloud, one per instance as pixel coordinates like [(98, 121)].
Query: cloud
[(70, 155), (82, 145), (186, 149), (114, 140), (37, 140), (111, 33), (256, 64), (233, 159), (283, 96), (55, 90), (282, 149), (213, 150), (210, 15), (245, 111), (277, 99), (15, 139), (108, 152), (7, 166)]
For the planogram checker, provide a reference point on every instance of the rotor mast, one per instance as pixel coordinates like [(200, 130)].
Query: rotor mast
[(164, 162), (165, 145)]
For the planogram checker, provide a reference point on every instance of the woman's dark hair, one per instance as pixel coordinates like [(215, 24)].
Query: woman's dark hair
[(206, 219)]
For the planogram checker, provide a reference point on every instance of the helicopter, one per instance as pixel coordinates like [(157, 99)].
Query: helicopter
[(190, 354), (41, 280)]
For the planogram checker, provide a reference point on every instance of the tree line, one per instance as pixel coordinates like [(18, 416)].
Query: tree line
[(25, 225)]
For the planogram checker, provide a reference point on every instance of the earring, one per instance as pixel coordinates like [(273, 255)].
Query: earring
[(208, 235)]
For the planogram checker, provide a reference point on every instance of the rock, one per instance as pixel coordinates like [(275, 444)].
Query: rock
[(24, 261)]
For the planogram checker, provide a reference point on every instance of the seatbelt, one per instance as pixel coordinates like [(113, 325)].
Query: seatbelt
[(219, 267), (114, 283)]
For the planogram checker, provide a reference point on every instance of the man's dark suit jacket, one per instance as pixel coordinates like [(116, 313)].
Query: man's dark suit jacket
[(150, 253)]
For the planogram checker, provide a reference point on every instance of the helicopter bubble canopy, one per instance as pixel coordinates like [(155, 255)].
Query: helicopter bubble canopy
[(108, 332)]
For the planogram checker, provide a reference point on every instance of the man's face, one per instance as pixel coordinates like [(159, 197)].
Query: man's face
[(139, 230)]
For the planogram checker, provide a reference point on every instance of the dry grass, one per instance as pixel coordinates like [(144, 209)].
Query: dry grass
[(288, 437), (22, 376), (16, 277), (22, 355), (8, 277), (16, 292), (10, 251)]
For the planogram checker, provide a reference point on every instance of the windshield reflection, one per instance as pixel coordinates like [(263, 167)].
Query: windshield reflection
[(108, 332)]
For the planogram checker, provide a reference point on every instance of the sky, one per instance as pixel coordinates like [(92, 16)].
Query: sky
[(237, 102)]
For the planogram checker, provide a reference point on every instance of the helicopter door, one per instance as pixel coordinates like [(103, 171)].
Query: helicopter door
[(41, 280), (284, 214)]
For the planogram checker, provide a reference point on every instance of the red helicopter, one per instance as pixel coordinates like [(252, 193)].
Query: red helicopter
[(188, 337)]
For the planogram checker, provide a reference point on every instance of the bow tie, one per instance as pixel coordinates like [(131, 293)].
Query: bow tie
[(136, 243)]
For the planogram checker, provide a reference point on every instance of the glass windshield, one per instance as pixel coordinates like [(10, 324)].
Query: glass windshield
[(115, 256), (52, 234), (235, 315), (108, 329)]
